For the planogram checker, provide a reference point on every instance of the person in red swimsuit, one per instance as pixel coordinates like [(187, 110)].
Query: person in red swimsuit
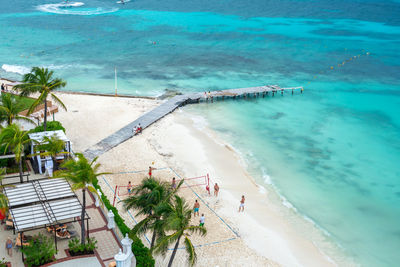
[(150, 169)]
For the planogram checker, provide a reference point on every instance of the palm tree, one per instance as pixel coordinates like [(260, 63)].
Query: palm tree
[(152, 199), (52, 146), (40, 80), (10, 108), (178, 221), (13, 138), (81, 174)]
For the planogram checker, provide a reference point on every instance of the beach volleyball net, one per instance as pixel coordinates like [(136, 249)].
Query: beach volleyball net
[(122, 190)]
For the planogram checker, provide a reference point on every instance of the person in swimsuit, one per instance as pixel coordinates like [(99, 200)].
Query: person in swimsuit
[(196, 208), (216, 189), (150, 169), (129, 187), (241, 207), (9, 246)]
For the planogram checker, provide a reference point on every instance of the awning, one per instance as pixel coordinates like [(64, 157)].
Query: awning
[(42, 203)]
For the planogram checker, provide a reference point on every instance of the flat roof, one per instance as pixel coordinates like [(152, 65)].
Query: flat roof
[(41, 203), (40, 135)]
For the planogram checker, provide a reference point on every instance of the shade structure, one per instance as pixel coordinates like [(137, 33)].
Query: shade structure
[(38, 138), (42, 203)]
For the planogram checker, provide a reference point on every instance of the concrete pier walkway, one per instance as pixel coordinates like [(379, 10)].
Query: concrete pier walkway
[(169, 106)]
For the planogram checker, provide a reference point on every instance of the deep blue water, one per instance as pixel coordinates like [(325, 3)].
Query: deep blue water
[(332, 152)]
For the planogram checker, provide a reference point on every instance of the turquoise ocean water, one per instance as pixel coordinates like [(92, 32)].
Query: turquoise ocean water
[(333, 152)]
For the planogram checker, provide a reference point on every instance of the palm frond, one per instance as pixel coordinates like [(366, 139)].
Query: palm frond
[(192, 256), (197, 229), (162, 244), (58, 101)]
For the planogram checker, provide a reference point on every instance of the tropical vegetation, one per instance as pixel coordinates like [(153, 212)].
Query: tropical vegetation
[(51, 126), (3, 198), (142, 254), (151, 199), (10, 108), (166, 215), (177, 221), (52, 146), (41, 250), (81, 174), (14, 139), (76, 248), (41, 80)]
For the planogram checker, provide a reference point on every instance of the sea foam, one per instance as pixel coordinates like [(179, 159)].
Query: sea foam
[(15, 69), (67, 9)]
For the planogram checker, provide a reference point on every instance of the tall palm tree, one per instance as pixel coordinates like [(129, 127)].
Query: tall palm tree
[(81, 174), (14, 139), (151, 198), (178, 221), (52, 146), (40, 80), (10, 108)]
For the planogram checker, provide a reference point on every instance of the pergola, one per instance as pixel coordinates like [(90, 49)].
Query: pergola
[(43, 203), (38, 139)]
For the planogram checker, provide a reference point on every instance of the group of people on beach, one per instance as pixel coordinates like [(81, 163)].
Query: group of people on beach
[(196, 206), (137, 129)]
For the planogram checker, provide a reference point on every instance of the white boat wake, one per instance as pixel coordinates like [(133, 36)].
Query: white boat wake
[(68, 8)]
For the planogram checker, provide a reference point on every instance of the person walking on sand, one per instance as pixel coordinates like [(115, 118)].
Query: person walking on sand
[(216, 189), (202, 219), (150, 171), (196, 208), (241, 207), (9, 246), (129, 187)]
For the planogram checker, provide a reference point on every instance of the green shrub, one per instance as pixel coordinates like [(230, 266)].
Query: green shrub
[(40, 251), (3, 262), (76, 248), (142, 253), (51, 126)]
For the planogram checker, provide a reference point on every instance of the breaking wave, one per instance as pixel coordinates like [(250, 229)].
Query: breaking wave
[(70, 9)]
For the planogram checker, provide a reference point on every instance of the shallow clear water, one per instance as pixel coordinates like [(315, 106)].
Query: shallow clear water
[(332, 152)]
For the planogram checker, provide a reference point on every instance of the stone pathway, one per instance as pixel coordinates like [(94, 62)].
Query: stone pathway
[(108, 244)]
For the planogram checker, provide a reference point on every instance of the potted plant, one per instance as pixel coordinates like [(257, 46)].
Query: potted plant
[(76, 248), (4, 263), (40, 251)]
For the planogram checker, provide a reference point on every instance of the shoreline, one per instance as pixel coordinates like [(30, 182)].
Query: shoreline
[(166, 143), (285, 210)]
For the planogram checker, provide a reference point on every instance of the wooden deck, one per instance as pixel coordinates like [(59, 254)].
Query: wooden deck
[(169, 106)]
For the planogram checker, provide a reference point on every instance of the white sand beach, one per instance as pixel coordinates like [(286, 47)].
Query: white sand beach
[(265, 236)]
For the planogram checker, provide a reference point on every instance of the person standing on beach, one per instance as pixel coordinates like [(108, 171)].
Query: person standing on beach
[(216, 189), (9, 246), (129, 187), (196, 208), (202, 219), (241, 206), (3, 88), (150, 169), (173, 184)]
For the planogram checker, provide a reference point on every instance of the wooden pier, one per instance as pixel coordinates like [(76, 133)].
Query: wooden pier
[(175, 102)]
